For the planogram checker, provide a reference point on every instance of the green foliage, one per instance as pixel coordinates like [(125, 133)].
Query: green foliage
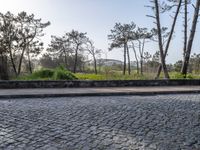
[(112, 75), (190, 76), (177, 75), (43, 73), (178, 65), (62, 74), (81, 76), (59, 73), (17, 31), (61, 67)]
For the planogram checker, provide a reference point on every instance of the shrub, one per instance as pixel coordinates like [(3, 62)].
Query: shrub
[(190, 76), (43, 73), (61, 74)]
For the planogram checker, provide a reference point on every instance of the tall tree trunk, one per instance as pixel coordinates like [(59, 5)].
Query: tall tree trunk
[(129, 61), (169, 38), (141, 50), (95, 64), (29, 61), (191, 39), (141, 66), (75, 59), (137, 62), (20, 61), (185, 27), (124, 69), (12, 62), (3, 68), (162, 55), (66, 66)]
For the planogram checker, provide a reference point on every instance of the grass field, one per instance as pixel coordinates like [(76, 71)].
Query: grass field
[(62, 74)]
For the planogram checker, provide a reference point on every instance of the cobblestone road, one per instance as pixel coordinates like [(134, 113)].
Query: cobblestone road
[(165, 122)]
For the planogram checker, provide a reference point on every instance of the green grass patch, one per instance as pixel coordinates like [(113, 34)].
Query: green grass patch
[(61, 73), (177, 75), (111, 76), (82, 76)]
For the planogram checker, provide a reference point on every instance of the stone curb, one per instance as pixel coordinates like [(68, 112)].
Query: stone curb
[(93, 83), (97, 94)]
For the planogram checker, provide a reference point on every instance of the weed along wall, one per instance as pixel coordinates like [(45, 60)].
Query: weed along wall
[(104, 83)]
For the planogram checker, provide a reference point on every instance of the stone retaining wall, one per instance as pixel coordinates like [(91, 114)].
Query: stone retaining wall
[(87, 83)]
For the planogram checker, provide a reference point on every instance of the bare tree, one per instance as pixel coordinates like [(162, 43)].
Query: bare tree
[(158, 8), (93, 52), (141, 35), (129, 60), (160, 41), (135, 55), (186, 2), (191, 39), (170, 33)]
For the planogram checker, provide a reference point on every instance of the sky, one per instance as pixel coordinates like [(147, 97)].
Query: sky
[(97, 18)]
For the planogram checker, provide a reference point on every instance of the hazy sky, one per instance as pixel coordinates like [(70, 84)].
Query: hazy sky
[(97, 17)]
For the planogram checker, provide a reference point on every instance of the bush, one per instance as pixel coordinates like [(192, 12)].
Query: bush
[(59, 73), (62, 74), (43, 73), (190, 76)]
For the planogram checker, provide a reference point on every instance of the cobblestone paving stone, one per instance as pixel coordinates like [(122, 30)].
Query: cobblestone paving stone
[(165, 122)]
